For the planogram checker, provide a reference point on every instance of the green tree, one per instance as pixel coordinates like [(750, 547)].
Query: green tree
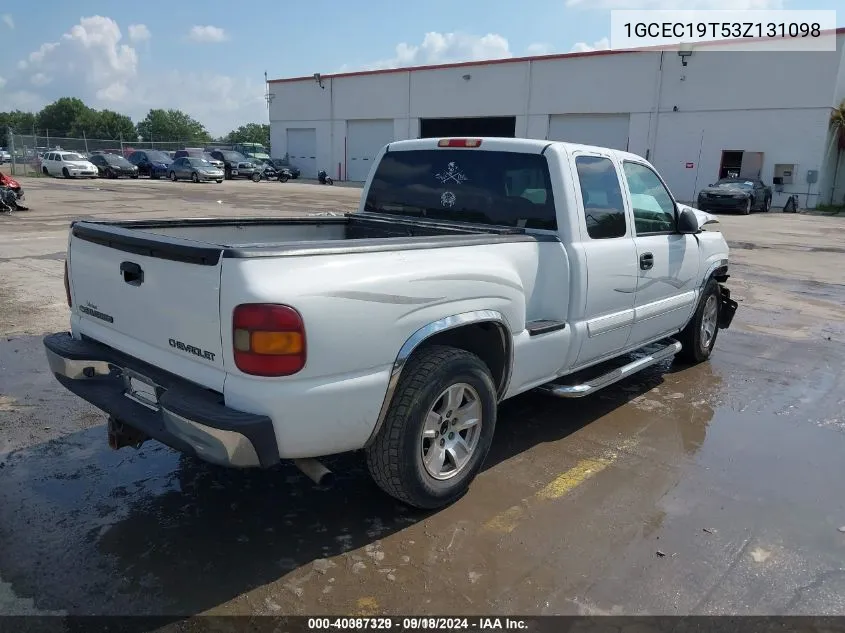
[(19, 122), (837, 130), (172, 125), (58, 118), (250, 133), (104, 124)]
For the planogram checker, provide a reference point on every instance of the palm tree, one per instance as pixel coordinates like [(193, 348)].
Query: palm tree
[(837, 129)]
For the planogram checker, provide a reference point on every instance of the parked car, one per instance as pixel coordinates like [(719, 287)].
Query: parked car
[(736, 194), (67, 164), (283, 163), (195, 152), (473, 270), (114, 166), (151, 163), (196, 169), (235, 164), (5, 156)]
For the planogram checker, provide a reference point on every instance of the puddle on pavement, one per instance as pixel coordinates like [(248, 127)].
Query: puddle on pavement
[(87, 529)]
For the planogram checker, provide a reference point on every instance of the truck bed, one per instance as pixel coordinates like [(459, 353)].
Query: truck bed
[(205, 240)]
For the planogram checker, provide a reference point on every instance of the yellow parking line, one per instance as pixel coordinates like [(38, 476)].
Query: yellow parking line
[(572, 478), (505, 522)]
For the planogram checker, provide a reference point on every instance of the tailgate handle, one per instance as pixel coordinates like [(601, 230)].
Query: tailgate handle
[(133, 274)]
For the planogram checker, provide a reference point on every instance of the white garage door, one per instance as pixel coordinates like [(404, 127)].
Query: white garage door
[(604, 130), (302, 150), (364, 139)]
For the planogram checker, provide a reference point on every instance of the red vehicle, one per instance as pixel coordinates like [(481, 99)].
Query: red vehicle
[(15, 197)]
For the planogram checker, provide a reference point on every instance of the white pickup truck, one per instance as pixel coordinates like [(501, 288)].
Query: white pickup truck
[(474, 270)]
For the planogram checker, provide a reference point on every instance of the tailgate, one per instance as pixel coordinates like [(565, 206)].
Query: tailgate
[(151, 303)]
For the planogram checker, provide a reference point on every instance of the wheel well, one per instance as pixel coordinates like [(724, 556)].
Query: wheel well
[(490, 341), (720, 274)]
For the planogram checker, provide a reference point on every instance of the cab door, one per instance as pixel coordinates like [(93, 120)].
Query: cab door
[(667, 261), (611, 257)]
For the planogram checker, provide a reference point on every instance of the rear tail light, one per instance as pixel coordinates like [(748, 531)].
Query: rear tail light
[(268, 339), (67, 288), (459, 142)]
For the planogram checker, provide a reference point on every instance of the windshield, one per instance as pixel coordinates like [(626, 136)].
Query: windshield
[(233, 156), (159, 157), (113, 159), (502, 188), (734, 184), (199, 162), (72, 157)]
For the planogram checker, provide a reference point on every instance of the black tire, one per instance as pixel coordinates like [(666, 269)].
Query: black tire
[(154, 177), (195, 177), (695, 348), (65, 172), (219, 182), (227, 173), (329, 181), (283, 177), (767, 205), (173, 176), (395, 458), (256, 177), (134, 176), (746, 210), (44, 171)]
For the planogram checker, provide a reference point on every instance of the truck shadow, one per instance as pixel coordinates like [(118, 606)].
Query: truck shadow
[(90, 530)]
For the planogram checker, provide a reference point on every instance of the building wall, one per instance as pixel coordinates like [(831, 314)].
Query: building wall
[(775, 103)]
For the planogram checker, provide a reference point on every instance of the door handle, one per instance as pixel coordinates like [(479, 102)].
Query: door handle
[(646, 261), (132, 273)]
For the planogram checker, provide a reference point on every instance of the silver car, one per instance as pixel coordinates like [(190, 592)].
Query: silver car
[(196, 169)]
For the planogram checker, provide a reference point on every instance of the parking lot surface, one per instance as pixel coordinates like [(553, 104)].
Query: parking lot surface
[(705, 490)]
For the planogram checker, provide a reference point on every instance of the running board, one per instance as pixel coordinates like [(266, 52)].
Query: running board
[(600, 382)]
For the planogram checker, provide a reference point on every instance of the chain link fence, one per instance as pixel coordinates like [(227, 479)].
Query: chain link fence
[(26, 150)]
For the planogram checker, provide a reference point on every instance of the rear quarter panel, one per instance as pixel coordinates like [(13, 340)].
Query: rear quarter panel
[(359, 309)]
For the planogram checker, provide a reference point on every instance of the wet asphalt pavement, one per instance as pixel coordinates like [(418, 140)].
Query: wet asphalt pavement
[(683, 490)]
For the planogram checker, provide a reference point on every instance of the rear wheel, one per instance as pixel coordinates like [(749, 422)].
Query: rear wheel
[(195, 177), (173, 176), (256, 177), (747, 208), (699, 336), (767, 205), (438, 430), (219, 182), (65, 172), (44, 171), (283, 177)]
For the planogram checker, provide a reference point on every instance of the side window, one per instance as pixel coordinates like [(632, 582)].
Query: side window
[(654, 210), (603, 206)]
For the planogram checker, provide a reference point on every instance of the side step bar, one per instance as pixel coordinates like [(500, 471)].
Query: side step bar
[(600, 382)]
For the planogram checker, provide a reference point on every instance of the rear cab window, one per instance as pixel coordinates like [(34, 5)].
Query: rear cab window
[(465, 185), (601, 194)]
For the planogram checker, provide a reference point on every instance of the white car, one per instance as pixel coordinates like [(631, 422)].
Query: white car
[(474, 270), (5, 157), (67, 164)]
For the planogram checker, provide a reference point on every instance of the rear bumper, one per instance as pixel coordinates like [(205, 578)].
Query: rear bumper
[(186, 417)]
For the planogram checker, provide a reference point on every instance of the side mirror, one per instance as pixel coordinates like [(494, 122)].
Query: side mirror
[(687, 222)]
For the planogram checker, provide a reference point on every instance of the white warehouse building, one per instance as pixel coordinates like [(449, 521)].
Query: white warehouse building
[(698, 116)]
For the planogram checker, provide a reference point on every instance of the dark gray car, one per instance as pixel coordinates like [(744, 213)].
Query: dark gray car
[(196, 169), (736, 194)]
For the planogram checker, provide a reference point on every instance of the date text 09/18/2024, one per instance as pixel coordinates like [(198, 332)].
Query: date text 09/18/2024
[(416, 623)]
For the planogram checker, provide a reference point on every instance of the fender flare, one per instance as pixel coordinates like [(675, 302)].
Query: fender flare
[(713, 270), (436, 327)]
